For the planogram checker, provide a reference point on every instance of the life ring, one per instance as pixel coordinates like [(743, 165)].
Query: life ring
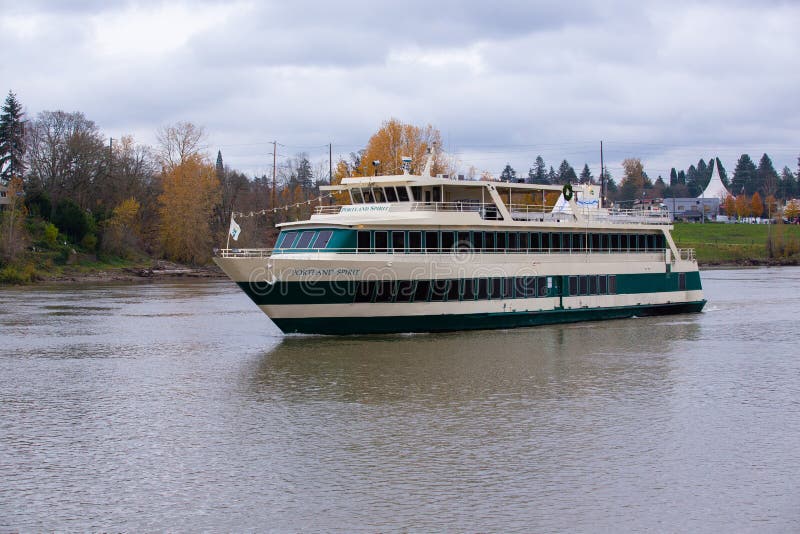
[(567, 192)]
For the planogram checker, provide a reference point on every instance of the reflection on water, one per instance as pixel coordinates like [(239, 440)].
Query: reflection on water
[(179, 405)]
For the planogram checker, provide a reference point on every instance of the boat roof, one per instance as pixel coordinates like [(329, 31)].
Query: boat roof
[(417, 180)]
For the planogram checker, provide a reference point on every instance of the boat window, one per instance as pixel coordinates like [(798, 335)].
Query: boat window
[(323, 238), (421, 293), (453, 290), (596, 242), (381, 241), (439, 289), (500, 241), (682, 281), (463, 241), (385, 291), (542, 283), (642, 242), (660, 242), (536, 242), (477, 241), (416, 191), (651, 242), (305, 239), (437, 194), (545, 238), (364, 291), (427, 193), (377, 194), (405, 290), (508, 288), (579, 242), (523, 241), (483, 289), (281, 239), (593, 285), (448, 240), (398, 241), (584, 290), (469, 289), (358, 198), (391, 194), (603, 286), (368, 196), (363, 241), (612, 284), (614, 241), (414, 241), (402, 193), (432, 241), (288, 241), (496, 288), (488, 240), (573, 285)]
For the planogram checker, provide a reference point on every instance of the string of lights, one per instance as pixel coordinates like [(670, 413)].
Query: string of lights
[(287, 207)]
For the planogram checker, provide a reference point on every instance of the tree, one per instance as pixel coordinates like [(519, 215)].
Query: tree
[(179, 142), (586, 175), (693, 181), (566, 174), (787, 188), (673, 177), (13, 237), (742, 206), (190, 194), (552, 177), (729, 205), (744, 176), (12, 139), (72, 220), (538, 174), (756, 205), (767, 176), (122, 230), (508, 174), (723, 175), (66, 157), (395, 140)]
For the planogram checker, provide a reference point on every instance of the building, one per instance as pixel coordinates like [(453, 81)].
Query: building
[(707, 202), (4, 200)]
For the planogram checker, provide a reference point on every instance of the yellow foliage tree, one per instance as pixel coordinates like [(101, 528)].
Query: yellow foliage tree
[(742, 206), (772, 204), (792, 209), (123, 228), (190, 193), (395, 140), (756, 205), (634, 172), (729, 205)]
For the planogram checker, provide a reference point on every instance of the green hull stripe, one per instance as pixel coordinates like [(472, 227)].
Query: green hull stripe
[(474, 321), (342, 292)]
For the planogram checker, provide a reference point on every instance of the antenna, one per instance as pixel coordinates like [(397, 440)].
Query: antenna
[(429, 164)]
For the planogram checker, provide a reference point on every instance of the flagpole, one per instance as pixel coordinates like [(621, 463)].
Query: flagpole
[(228, 242)]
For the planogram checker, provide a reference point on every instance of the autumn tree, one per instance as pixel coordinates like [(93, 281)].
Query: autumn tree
[(13, 237), (742, 206), (633, 182), (12, 139), (756, 205), (395, 140), (729, 205), (179, 142), (122, 230), (190, 192)]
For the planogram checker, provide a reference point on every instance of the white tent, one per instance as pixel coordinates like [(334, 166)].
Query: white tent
[(715, 187)]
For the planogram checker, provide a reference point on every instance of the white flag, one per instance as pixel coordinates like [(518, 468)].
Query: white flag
[(234, 230)]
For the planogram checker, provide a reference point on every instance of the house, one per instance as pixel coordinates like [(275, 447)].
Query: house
[(4, 200)]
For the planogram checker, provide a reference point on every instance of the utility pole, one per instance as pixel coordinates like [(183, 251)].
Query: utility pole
[(602, 178), (274, 169), (330, 163)]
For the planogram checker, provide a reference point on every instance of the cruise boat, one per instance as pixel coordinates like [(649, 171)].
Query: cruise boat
[(418, 253)]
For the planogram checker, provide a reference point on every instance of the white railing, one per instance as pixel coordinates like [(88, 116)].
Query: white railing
[(686, 254), (627, 216), (268, 252)]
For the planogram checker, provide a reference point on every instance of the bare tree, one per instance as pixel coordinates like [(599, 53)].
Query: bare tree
[(179, 142)]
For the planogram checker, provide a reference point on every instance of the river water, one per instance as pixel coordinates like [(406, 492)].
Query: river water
[(179, 406)]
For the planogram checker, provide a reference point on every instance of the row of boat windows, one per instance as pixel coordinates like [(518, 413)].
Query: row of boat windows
[(436, 241), (394, 194), (304, 239), (467, 289)]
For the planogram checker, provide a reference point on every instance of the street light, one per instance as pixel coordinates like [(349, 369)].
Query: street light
[(376, 163)]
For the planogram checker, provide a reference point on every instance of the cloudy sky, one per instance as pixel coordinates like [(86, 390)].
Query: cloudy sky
[(668, 82)]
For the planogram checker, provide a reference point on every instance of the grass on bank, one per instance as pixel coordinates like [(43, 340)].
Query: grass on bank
[(720, 243)]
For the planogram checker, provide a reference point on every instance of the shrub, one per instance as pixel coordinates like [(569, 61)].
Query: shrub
[(89, 242), (72, 220), (50, 234)]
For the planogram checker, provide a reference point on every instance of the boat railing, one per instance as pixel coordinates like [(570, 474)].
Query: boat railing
[(269, 252), (487, 210), (627, 216), (686, 254)]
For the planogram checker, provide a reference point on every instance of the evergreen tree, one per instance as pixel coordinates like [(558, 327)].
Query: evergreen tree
[(552, 177), (744, 177), (788, 185), (508, 174), (767, 177), (723, 175), (681, 178), (12, 139), (586, 175), (693, 181), (538, 173), (673, 177), (566, 174), (703, 174), (220, 167)]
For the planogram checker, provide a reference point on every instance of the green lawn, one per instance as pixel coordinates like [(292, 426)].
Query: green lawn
[(716, 243)]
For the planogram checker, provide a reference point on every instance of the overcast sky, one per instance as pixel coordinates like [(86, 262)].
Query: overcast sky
[(668, 82)]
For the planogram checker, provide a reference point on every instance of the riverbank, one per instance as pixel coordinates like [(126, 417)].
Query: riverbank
[(719, 244)]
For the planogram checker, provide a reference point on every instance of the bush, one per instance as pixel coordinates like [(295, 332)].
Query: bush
[(72, 220), (38, 204), (89, 242), (14, 275), (50, 234)]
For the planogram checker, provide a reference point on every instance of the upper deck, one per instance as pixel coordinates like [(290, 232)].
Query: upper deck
[(425, 200)]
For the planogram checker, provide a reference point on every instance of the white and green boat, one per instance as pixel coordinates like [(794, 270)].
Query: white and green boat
[(417, 253)]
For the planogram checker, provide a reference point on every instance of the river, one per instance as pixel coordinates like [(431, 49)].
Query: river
[(179, 406)]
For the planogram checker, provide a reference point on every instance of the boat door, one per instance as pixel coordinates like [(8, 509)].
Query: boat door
[(560, 285)]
